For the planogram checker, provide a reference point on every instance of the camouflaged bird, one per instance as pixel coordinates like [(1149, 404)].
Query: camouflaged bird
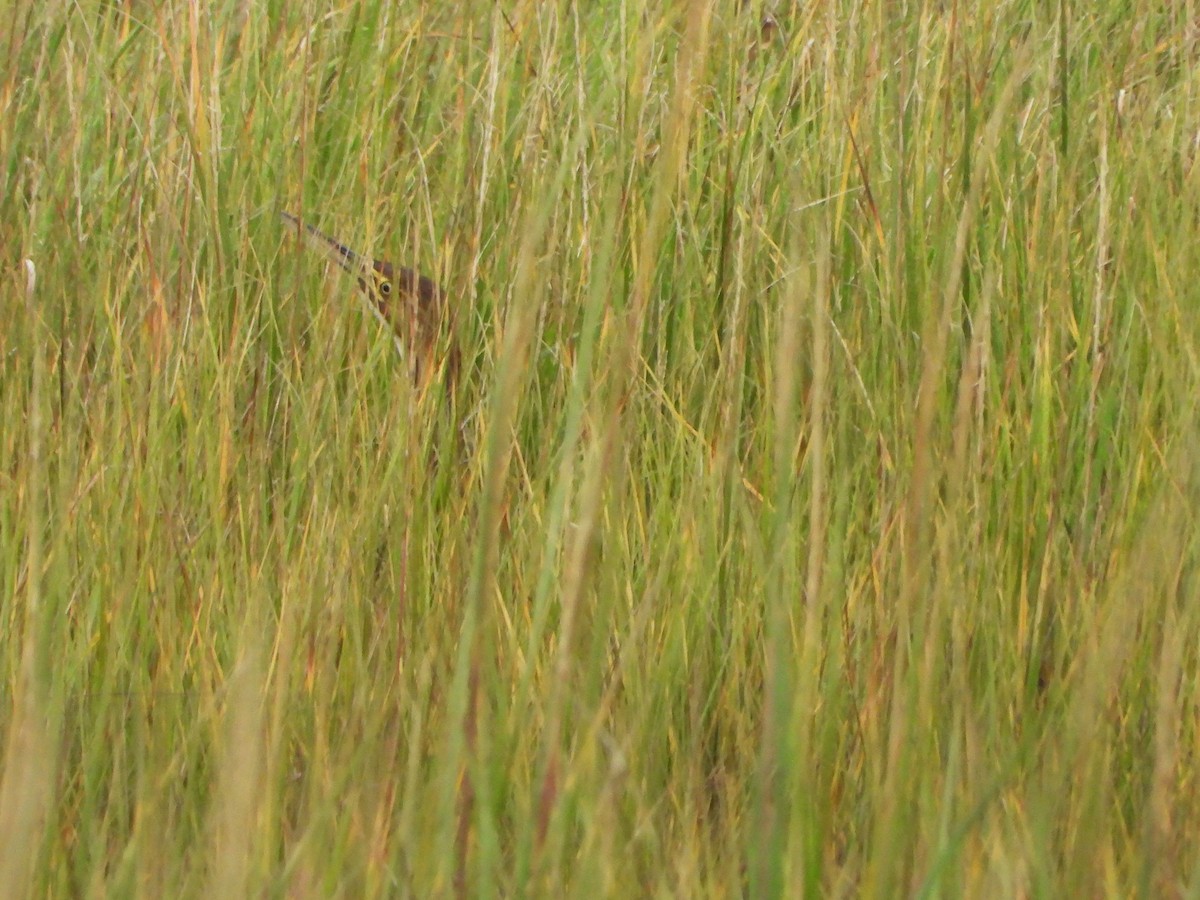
[(412, 305)]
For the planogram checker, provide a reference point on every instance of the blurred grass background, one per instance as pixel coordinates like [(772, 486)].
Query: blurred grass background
[(823, 519)]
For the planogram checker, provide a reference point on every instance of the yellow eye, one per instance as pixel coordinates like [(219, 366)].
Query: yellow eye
[(385, 288)]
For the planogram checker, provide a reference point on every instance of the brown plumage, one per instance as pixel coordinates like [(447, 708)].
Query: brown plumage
[(412, 305)]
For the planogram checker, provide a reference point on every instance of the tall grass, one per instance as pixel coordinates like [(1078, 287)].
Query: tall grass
[(814, 513)]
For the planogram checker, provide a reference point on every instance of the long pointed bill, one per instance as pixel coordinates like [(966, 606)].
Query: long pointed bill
[(339, 253), (356, 265)]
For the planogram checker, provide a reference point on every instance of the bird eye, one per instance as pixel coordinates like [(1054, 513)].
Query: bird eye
[(385, 288)]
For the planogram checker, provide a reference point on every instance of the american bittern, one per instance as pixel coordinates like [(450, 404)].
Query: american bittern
[(412, 305)]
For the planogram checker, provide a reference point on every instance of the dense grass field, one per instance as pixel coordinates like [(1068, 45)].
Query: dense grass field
[(814, 513)]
